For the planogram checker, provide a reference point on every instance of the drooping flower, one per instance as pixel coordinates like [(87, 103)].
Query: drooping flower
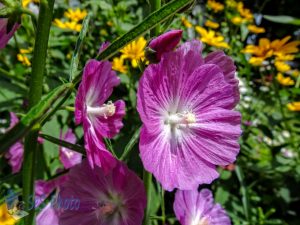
[(15, 152), (165, 42), (68, 157), (5, 34), (237, 20), (135, 51), (256, 30), (294, 106), (5, 217), (186, 22), (99, 119), (198, 208), (117, 197), (185, 103), (244, 12), (210, 37), (215, 6), (211, 24)]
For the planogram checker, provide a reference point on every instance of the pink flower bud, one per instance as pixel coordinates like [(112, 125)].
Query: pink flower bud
[(165, 42)]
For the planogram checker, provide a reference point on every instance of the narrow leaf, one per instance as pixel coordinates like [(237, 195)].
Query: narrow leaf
[(78, 47), (283, 19), (131, 144), (74, 147)]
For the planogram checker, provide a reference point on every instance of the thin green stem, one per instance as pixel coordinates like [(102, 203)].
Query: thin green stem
[(155, 5), (163, 208), (35, 95), (147, 178)]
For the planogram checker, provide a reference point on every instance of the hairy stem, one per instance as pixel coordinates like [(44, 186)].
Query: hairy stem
[(35, 95)]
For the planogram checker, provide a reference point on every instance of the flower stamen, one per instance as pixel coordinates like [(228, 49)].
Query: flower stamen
[(105, 110), (181, 119)]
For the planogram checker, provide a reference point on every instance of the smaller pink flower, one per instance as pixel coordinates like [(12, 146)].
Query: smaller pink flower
[(198, 208), (44, 188), (16, 151), (68, 157), (165, 42), (100, 118)]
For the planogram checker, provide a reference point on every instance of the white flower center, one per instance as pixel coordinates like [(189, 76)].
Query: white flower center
[(180, 119), (105, 110), (107, 209)]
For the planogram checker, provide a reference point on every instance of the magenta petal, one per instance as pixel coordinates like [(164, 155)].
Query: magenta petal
[(15, 156), (4, 36), (228, 68), (97, 153), (174, 165), (165, 42), (48, 216), (110, 126), (67, 156), (193, 207)]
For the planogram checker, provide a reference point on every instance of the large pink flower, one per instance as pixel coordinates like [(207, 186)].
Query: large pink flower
[(5, 34), (198, 208), (185, 103), (117, 197), (99, 119)]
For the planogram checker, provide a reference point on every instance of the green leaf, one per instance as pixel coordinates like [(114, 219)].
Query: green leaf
[(167, 11), (131, 144), (79, 43), (283, 19), (74, 147), (34, 116)]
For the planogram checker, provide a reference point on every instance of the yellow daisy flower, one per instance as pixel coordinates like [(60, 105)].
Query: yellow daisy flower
[(215, 6), (285, 81), (75, 14), (282, 66), (118, 65), (211, 24), (5, 218), (210, 37), (135, 51), (294, 106), (256, 30)]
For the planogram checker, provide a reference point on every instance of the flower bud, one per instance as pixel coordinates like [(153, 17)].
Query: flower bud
[(163, 43)]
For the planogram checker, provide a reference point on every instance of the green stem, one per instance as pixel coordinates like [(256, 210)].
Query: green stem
[(154, 5), (163, 208), (147, 178), (35, 95)]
